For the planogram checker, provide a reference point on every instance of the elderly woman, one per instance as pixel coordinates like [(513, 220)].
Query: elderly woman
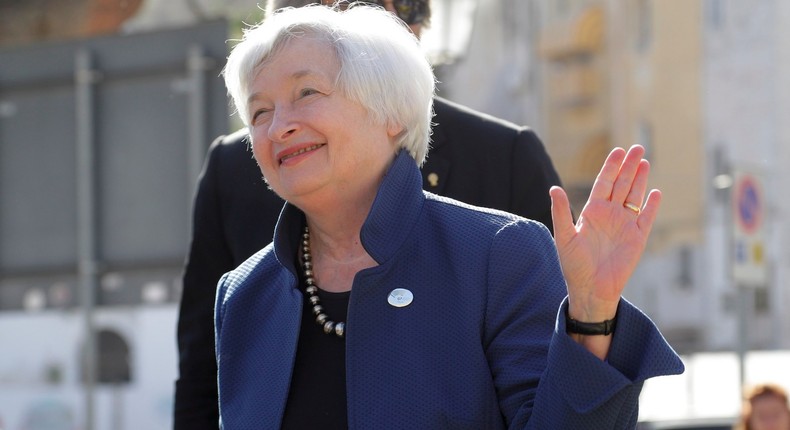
[(381, 306)]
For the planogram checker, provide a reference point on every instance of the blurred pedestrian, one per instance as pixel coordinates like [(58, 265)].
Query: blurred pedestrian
[(765, 407)]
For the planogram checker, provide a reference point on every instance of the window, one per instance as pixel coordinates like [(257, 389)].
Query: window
[(644, 23), (716, 14), (113, 364)]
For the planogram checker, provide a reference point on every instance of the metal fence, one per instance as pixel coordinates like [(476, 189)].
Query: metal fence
[(101, 143)]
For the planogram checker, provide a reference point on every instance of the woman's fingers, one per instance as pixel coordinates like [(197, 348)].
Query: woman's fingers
[(561, 215), (627, 175), (638, 187), (622, 181), (649, 213), (604, 182)]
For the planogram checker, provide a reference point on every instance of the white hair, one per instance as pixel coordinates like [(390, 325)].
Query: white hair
[(381, 65)]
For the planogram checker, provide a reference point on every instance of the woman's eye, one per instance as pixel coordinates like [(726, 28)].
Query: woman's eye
[(308, 91), (258, 113)]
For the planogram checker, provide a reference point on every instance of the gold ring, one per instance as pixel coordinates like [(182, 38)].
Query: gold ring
[(632, 207)]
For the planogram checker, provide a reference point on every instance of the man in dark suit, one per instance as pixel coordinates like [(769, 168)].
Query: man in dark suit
[(475, 158)]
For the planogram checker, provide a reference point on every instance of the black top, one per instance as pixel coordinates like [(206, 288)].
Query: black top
[(317, 399)]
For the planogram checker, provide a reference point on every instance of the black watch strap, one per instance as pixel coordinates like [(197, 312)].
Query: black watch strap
[(603, 328)]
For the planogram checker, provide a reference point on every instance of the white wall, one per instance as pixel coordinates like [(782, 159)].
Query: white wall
[(32, 343), (710, 385)]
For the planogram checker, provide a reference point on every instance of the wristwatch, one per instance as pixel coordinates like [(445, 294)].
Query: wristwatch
[(603, 328)]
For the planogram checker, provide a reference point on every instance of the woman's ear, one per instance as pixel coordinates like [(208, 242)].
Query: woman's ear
[(394, 129)]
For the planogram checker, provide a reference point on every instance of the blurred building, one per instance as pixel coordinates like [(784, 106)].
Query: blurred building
[(619, 73), (699, 84), (103, 131), (33, 21)]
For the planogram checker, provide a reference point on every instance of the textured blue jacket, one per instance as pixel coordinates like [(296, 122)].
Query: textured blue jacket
[(480, 347)]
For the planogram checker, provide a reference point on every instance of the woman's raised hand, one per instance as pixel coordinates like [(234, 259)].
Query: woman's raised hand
[(601, 250)]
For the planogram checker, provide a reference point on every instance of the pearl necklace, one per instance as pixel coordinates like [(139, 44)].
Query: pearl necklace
[(312, 291)]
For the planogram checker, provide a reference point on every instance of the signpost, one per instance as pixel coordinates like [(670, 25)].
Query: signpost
[(747, 250), (748, 206)]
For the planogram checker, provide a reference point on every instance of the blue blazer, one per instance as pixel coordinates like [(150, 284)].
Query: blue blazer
[(474, 158), (480, 347)]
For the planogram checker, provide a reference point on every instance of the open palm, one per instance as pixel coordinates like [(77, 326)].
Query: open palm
[(601, 250)]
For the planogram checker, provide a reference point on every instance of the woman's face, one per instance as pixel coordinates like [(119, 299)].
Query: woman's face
[(313, 144), (769, 413)]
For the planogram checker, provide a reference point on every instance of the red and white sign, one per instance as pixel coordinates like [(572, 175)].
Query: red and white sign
[(748, 205)]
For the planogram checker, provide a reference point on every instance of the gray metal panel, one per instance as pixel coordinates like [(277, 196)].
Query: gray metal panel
[(143, 189), (37, 180), (147, 122), (118, 54)]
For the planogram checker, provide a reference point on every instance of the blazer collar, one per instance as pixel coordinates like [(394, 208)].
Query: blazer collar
[(394, 213)]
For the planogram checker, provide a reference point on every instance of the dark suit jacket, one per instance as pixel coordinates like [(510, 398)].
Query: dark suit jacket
[(475, 158)]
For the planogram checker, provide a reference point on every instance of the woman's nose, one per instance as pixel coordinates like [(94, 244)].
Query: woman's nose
[(283, 125)]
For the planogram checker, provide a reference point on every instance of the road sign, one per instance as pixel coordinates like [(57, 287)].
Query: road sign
[(748, 205)]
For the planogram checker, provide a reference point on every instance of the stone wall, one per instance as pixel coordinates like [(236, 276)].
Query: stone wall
[(30, 21)]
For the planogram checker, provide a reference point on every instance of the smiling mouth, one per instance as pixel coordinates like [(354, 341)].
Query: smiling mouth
[(302, 151)]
